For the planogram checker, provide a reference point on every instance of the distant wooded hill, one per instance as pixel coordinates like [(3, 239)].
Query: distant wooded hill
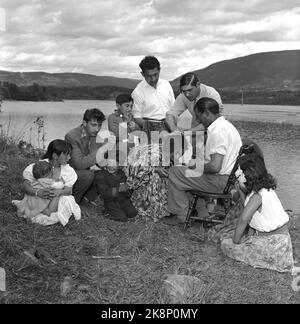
[(264, 78), (269, 71), (36, 92), (65, 80)]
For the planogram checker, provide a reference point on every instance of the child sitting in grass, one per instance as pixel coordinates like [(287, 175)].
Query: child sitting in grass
[(111, 185), (31, 206)]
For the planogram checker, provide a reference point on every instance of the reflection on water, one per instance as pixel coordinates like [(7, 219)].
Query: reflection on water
[(279, 140)]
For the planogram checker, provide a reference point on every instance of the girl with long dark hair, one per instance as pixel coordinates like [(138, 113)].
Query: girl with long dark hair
[(270, 245)]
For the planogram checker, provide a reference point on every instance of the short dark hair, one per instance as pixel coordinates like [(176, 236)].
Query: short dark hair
[(206, 103), (41, 169), (189, 78), (149, 63), (123, 98), (94, 113)]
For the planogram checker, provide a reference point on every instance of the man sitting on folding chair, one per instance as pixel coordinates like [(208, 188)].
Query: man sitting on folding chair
[(221, 151)]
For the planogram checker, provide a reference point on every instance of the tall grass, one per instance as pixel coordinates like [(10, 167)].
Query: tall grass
[(10, 142)]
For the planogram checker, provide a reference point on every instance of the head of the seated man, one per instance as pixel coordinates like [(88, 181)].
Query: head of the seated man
[(150, 67), (190, 86), (207, 110), (124, 103), (92, 121)]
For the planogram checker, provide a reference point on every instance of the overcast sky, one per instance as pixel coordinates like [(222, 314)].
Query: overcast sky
[(110, 37)]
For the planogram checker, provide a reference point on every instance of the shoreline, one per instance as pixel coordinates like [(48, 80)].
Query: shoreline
[(264, 122), (113, 100)]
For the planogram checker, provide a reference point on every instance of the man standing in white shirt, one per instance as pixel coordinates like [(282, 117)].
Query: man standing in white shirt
[(191, 91), (152, 97), (221, 151)]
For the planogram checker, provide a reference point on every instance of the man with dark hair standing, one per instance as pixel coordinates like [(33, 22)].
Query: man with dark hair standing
[(84, 151), (152, 97), (221, 150), (191, 91)]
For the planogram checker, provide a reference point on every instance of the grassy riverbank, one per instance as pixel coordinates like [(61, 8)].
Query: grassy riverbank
[(135, 258)]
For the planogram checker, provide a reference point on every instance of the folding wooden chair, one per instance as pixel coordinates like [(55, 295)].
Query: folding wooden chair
[(224, 198)]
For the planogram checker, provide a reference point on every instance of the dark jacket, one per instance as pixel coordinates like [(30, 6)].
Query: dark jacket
[(84, 149), (108, 185)]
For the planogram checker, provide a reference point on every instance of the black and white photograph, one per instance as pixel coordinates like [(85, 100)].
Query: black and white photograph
[(149, 154)]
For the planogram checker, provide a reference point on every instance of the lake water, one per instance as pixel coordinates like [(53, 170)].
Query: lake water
[(276, 129)]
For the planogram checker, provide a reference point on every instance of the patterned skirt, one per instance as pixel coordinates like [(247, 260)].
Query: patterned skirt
[(273, 252), (149, 188)]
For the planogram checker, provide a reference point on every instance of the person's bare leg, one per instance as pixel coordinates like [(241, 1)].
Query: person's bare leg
[(52, 207)]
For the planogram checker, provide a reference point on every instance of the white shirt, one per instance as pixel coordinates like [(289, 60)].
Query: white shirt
[(150, 102), (223, 138), (272, 215), (182, 103)]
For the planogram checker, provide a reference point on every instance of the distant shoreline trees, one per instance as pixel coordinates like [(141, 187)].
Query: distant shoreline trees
[(279, 97), (36, 92)]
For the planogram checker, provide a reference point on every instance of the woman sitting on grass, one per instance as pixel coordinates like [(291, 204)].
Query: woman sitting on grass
[(59, 204), (268, 243)]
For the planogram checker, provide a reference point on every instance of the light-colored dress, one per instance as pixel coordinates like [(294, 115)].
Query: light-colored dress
[(31, 206), (149, 189), (66, 205), (265, 249)]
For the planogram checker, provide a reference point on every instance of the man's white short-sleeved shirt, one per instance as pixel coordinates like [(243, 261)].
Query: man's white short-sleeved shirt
[(223, 138), (150, 102)]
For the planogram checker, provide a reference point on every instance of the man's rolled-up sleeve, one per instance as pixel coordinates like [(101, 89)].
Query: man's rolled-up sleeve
[(218, 144)]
